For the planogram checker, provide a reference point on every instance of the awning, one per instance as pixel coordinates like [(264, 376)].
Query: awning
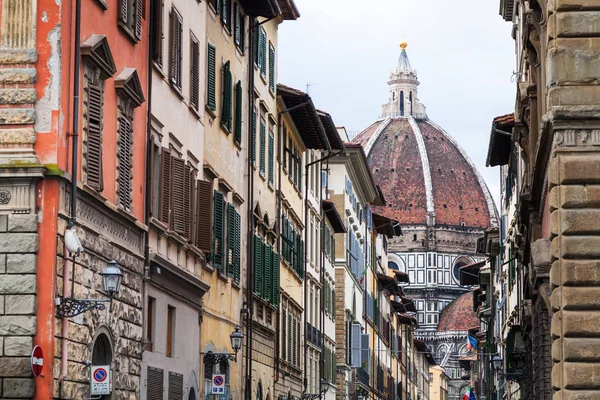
[(500, 141), (469, 274), (260, 8), (289, 10), (305, 117), (333, 216), (422, 348), (389, 283), (404, 305), (386, 226), (407, 319), (401, 276), (333, 135)]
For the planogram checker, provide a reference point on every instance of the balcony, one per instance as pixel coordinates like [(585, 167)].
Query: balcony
[(313, 335), (363, 377)]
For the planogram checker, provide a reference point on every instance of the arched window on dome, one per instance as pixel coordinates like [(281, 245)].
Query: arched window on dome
[(393, 265), (401, 103), (393, 96), (411, 103)]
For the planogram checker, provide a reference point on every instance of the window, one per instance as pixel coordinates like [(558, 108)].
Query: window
[(92, 144), (271, 67), (176, 38), (211, 72), (170, 330), (158, 31), (238, 113), (218, 248), (124, 154), (150, 311), (271, 157), (226, 14), (261, 48), (253, 136), (130, 17), (266, 271), (194, 71), (284, 334), (240, 27), (263, 144), (234, 231), (226, 117)]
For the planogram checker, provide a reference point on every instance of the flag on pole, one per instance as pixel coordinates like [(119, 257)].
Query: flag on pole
[(362, 277), (465, 396), (471, 342), (472, 395)]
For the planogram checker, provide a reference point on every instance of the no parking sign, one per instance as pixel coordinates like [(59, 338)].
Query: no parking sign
[(218, 384), (100, 380)]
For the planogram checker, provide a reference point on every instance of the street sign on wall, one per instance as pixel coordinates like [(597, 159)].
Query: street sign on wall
[(37, 361), (218, 384), (100, 380)]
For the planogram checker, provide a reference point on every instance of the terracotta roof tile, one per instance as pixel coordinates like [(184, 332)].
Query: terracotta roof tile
[(458, 315)]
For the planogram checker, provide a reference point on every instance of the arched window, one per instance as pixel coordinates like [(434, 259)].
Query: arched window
[(393, 265), (393, 96), (259, 394), (192, 395), (102, 354), (402, 103), (411, 103), (210, 369)]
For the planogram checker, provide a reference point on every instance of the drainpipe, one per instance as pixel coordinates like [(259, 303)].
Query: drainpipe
[(73, 219), (322, 273)]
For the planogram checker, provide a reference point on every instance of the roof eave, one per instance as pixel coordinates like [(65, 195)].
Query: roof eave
[(334, 217), (261, 8), (289, 10)]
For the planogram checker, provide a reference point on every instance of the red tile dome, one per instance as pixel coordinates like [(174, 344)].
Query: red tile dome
[(423, 172), (458, 315)]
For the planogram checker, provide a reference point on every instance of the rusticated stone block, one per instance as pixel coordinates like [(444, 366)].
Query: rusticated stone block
[(572, 196), (17, 96), (17, 325), (580, 375), (576, 324), (21, 263), (17, 116), (579, 349), (17, 75), (20, 56), (576, 298), (18, 242), (575, 273), (540, 252), (15, 366), (18, 284), (573, 60), (17, 136), (575, 222), (573, 5), (573, 95), (19, 304), (575, 169), (18, 388), (577, 395), (576, 247), (22, 223), (574, 24), (18, 346)]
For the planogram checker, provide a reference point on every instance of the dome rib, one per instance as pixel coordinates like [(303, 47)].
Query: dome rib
[(375, 135), (426, 168)]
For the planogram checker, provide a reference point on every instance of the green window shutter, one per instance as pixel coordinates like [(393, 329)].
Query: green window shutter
[(271, 67), (256, 38), (237, 247), (299, 171), (263, 139), (227, 91), (253, 137), (211, 71), (275, 265), (333, 300), (263, 52), (301, 251), (271, 159), (268, 283), (295, 178), (258, 248), (282, 144), (291, 163), (218, 232), (238, 113), (230, 239)]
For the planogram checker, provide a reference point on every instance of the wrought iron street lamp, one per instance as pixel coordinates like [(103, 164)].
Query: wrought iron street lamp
[(324, 387), (111, 282), (236, 338)]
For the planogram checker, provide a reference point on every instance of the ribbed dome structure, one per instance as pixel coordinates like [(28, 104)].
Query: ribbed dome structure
[(459, 315)]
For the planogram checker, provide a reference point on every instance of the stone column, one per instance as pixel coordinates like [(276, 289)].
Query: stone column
[(19, 171)]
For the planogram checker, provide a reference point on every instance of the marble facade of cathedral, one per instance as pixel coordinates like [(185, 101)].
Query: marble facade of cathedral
[(435, 191)]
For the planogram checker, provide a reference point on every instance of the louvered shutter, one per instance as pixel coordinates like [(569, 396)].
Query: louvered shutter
[(294, 340), (125, 157), (263, 52), (271, 159), (301, 250), (227, 90), (284, 334), (271, 67), (238, 30), (123, 10), (155, 383), (238, 112), (194, 72), (263, 145), (292, 162), (230, 239), (333, 300), (299, 171), (176, 47), (253, 136), (179, 195), (211, 77), (237, 248), (267, 275), (165, 188), (139, 10), (364, 351), (258, 248), (298, 350), (283, 144), (224, 11), (175, 386), (204, 191), (355, 346), (158, 31), (190, 178), (218, 229), (275, 270), (256, 45), (94, 137)]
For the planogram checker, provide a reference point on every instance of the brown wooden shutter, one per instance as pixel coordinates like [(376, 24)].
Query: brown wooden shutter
[(204, 192), (165, 188), (175, 386), (194, 72), (178, 194), (188, 200), (94, 137), (123, 6), (176, 47), (139, 11), (155, 384), (158, 31), (124, 172)]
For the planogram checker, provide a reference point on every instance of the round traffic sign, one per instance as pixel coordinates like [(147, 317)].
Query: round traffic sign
[(37, 361), (100, 375), (218, 381)]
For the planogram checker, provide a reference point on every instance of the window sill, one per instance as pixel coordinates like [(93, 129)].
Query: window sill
[(208, 267), (263, 78), (225, 129), (236, 285), (272, 92), (271, 187), (262, 176), (239, 49), (102, 4), (222, 275), (210, 111), (158, 68), (176, 89), (238, 145), (127, 32), (195, 112)]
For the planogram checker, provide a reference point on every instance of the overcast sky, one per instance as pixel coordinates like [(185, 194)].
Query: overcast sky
[(462, 51)]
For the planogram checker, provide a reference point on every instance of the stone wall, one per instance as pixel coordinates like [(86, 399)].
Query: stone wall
[(18, 247)]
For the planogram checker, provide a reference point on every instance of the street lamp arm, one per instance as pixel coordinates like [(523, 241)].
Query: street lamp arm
[(70, 307)]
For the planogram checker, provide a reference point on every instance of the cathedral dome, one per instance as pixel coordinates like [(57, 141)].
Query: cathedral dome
[(458, 315), (425, 176)]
